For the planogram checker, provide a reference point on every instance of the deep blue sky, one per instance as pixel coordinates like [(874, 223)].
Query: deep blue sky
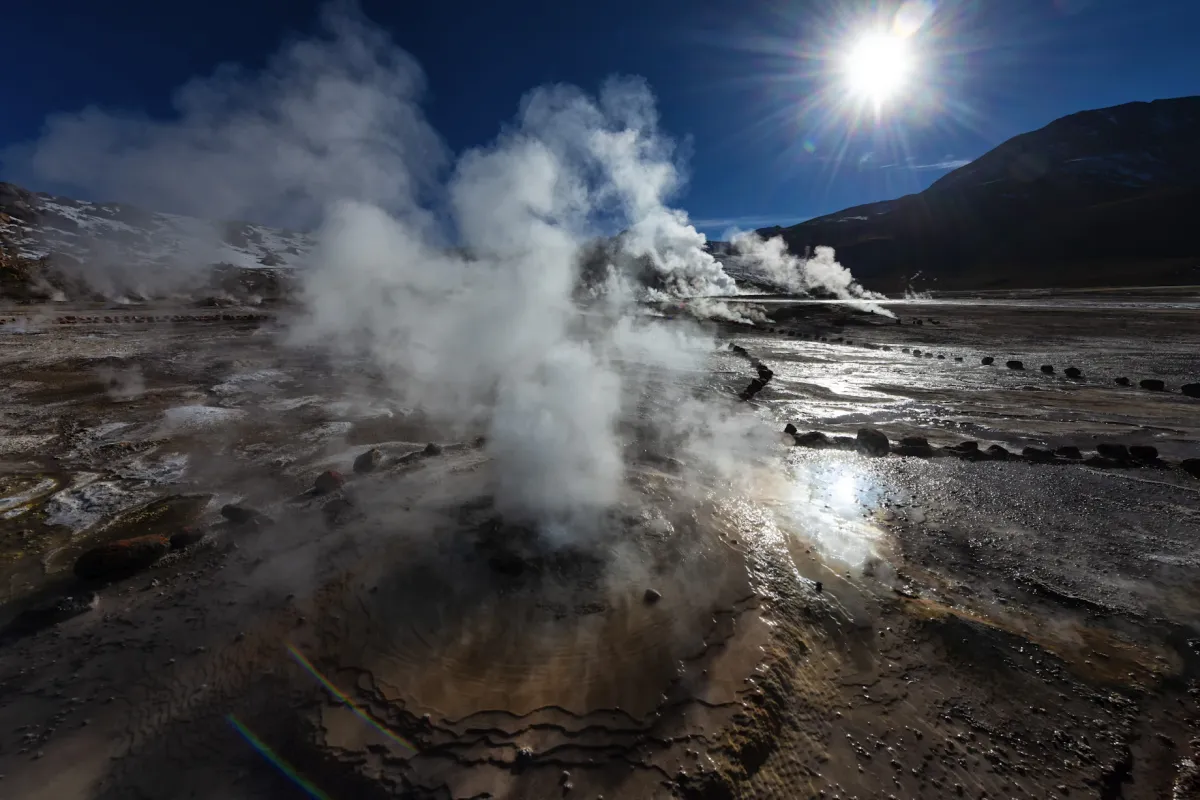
[(767, 142)]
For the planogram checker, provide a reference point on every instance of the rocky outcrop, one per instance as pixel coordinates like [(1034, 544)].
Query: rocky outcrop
[(122, 558)]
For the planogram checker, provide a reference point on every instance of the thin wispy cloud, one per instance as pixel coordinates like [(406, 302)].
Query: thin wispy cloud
[(945, 165), (722, 224)]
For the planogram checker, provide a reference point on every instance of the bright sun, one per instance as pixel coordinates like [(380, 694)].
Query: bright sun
[(878, 66)]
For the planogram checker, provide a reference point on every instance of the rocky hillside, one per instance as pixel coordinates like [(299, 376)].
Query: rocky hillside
[(1105, 197), (51, 245)]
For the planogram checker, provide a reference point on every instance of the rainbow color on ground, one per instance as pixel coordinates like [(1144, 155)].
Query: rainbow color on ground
[(276, 760), (349, 703)]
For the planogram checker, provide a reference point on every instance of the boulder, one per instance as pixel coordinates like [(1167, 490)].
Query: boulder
[(1073, 373), (122, 558), (1117, 452), (1068, 451), (368, 461), (1152, 385), (652, 596), (1145, 453), (872, 442), (328, 482), (812, 439), (1048, 369), (790, 428), (915, 446), (432, 449), (1014, 365), (186, 538), (1037, 455), (916, 353), (1191, 389), (1191, 466), (906, 350), (958, 358), (1102, 462), (243, 515), (1122, 381), (998, 452), (987, 361)]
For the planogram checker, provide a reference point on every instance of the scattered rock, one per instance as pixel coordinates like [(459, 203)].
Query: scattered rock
[(1145, 453), (1074, 373), (242, 515), (52, 612), (1067, 451), (872, 442), (1014, 365), (1191, 389), (906, 350), (941, 357), (968, 450), (813, 439), (368, 461), (1048, 369), (186, 538), (432, 449), (122, 558), (1191, 466), (790, 428), (1152, 385), (337, 511), (916, 352), (652, 596), (328, 482), (1122, 381), (987, 361), (958, 358), (998, 452), (1037, 455), (1117, 452), (915, 446)]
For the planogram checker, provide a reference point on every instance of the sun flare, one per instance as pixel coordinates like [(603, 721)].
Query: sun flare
[(878, 66)]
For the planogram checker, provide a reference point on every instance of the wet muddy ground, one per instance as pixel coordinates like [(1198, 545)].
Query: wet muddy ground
[(829, 625)]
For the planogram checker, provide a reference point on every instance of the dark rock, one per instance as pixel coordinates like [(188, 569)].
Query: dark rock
[(914, 441), (1145, 453), (812, 439), (1191, 389), (790, 428), (916, 352), (941, 357), (1014, 365), (872, 442), (52, 612), (1073, 373), (844, 443), (1117, 452), (913, 446), (958, 358), (1122, 381), (987, 361), (337, 511), (328, 482), (652, 596), (186, 538), (818, 586), (906, 350), (241, 515), (432, 449), (1037, 455), (1101, 461), (1048, 369), (967, 447), (998, 452), (122, 558), (1152, 385), (368, 461), (1067, 451), (928, 354), (1191, 466)]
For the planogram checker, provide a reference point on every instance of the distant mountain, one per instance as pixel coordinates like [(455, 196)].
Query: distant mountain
[(1105, 197), (48, 243)]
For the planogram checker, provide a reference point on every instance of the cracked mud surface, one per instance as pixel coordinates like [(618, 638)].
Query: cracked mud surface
[(848, 627)]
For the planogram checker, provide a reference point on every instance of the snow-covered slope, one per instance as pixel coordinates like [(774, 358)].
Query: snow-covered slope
[(35, 226)]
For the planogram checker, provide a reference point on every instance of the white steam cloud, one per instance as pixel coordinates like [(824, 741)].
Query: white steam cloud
[(769, 261), (457, 279)]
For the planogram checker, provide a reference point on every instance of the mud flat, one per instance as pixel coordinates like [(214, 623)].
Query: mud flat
[(837, 625)]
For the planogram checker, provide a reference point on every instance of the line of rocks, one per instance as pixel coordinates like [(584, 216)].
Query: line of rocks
[(872, 442), (765, 374), (73, 319), (1073, 373)]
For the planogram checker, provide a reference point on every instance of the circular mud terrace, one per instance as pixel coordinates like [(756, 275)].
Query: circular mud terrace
[(814, 622)]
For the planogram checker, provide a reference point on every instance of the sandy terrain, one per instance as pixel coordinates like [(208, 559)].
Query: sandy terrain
[(831, 625)]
